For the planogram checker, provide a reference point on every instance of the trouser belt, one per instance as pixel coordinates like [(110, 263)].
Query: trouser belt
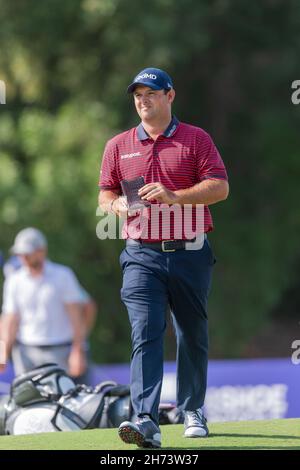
[(165, 245), (45, 346)]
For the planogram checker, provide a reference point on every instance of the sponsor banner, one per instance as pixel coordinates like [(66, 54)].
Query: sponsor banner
[(237, 389)]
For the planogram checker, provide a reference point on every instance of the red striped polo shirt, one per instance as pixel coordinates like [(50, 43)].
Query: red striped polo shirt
[(181, 157)]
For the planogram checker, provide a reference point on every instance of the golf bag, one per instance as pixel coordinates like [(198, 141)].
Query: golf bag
[(47, 400)]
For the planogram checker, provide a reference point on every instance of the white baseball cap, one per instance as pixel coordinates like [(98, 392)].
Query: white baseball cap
[(27, 241)]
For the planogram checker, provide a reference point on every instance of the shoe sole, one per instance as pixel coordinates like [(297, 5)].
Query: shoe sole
[(132, 436), (196, 436)]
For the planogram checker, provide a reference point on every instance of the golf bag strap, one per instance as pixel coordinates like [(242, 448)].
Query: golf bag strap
[(68, 414)]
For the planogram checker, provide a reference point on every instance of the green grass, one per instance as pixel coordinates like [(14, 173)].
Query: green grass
[(275, 434)]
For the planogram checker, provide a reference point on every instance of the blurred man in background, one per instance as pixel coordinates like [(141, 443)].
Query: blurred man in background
[(46, 313)]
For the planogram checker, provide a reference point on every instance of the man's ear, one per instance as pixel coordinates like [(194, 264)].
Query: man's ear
[(171, 95)]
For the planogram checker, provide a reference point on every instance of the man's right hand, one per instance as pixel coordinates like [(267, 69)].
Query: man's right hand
[(120, 208)]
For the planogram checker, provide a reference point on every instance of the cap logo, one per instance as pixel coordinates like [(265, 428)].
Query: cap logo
[(146, 75)]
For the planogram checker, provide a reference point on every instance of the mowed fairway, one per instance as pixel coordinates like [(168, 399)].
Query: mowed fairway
[(275, 434)]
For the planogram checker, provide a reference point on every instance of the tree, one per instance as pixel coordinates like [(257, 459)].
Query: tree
[(66, 66)]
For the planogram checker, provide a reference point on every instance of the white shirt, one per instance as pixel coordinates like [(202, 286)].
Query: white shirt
[(11, 266), (40, 303)]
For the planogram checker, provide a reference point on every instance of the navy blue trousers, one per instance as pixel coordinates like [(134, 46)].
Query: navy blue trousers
[(152, 280)]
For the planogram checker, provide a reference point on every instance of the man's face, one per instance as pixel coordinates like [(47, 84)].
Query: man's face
[(35, 260), (152, 104)]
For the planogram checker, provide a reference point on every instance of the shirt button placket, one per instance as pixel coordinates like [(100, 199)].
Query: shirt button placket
[(155, 150), (155, 161)]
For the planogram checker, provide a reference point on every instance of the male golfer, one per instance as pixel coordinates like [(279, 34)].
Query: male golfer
[(162, 265)]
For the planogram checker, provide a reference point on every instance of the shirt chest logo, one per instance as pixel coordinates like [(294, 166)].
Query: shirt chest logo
[(130, 155)]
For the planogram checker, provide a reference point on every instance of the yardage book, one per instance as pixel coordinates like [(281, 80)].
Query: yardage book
[(130, 190)]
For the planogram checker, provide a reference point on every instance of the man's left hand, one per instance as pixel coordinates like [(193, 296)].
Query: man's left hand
[(77, 362), (158, 192)]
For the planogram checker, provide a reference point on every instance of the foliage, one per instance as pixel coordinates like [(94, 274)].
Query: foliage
[(66, 66)]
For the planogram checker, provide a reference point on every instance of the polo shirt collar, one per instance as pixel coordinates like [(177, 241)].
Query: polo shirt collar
[(169, 132), (46, 270)]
